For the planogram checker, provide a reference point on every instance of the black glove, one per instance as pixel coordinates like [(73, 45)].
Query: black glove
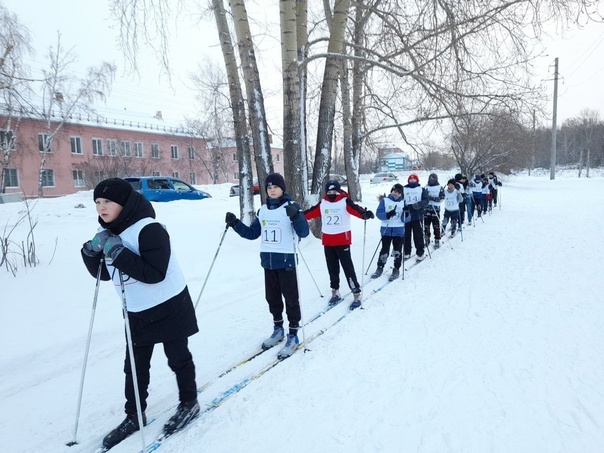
[(292, 211), (391, 213), (498, 183), (113, 247), (416, 206), (367, 214), (231, 219)]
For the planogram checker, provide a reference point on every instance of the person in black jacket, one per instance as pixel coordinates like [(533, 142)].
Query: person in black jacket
[(416, 199), (134, 251)]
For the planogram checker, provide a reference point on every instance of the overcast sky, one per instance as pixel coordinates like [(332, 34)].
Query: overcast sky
[(87, 27)]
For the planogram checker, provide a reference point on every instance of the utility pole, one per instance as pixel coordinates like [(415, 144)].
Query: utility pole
[(552, 169)]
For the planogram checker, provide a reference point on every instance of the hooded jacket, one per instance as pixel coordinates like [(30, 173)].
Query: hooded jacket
[(275, 260), (392, 226)]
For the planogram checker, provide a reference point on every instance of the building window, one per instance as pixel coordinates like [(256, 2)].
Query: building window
[(138, 149), (193, 178), (191, 153), (126, 152), (78, 178), (97, 147), (43, 142), (174, 151), (7, 141), (176, 174), (155, 152), (111, 147), (76, 145), (99, 175), (48, 178), (10, 177), (234, 157), (156, 173)]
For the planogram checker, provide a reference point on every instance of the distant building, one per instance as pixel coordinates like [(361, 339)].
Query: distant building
[(88, 149), (392, 159)]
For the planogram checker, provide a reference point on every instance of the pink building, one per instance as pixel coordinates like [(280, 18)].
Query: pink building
[(87, 150)]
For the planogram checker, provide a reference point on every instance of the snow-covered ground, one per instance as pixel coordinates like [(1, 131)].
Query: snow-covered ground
[(496, 344)]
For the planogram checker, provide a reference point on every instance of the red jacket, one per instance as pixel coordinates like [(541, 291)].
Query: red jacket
[(345, 238)]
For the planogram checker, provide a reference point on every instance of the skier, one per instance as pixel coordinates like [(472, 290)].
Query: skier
[(416, 200), (494, 183), (137, 251), (461, 184), (436, 194), (476, 187), (453, 199), (279, 223), (390, 212), (486, 194), (335, 210)]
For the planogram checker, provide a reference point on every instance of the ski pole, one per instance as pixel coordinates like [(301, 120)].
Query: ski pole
[(86, 351), (139, 411), (211, 266), (296, 249), (376, 249), (309, 272), (364, 242), (461, 228), (422, 236)]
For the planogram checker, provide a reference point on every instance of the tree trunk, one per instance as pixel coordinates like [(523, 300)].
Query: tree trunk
[(246, 193), (328, 95), (255, 99)]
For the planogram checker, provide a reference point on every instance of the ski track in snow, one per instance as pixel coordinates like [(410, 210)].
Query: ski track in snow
[(493, 345)]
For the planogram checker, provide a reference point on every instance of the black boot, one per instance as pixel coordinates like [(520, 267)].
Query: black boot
[(126, 428), (377, 272), (184, 414)]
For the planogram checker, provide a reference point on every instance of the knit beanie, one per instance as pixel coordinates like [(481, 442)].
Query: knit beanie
[(451, 181), (397, 187), (332, 184), (114, 189), (458, 177), (413, 177), (275, 180)]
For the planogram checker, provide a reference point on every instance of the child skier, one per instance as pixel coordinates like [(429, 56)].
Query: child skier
[(416, 200), (279, 223), (486, 194), (432, 212), (136, 250), (461, 184), (390, 212), (476, 186), (335, 210), (453, 199), (493, 185)]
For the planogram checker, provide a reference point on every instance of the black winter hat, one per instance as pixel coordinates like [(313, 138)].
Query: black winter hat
[(433, 177), (114, 189), (332, 184), (458, 177), (451, 181), (275, 180), (397, 187)]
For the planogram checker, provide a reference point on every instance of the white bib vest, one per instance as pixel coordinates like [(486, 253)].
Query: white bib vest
[(395, 221), (451, 203), (335, 217), (142, 296), (433, 191), (413, 194), (277, 234)]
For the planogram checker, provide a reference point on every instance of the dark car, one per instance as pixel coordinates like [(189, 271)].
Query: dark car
[(165, 188), (234, 191)]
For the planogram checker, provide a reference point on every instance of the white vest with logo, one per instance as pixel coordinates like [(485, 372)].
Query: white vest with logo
[(142, 296), (413, 194), (335, 217), (396, 220), (451, 200), (277, 234)]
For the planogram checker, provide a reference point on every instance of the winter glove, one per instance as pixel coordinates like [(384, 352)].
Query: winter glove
[(231, 219), (498, 183), (367, 214), (113, 247), (98, 241), (391, 213), (416, 206), (292, 211)]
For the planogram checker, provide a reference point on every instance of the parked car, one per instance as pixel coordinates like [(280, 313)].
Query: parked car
[(383, 177), (234, 191), (165, 188)]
